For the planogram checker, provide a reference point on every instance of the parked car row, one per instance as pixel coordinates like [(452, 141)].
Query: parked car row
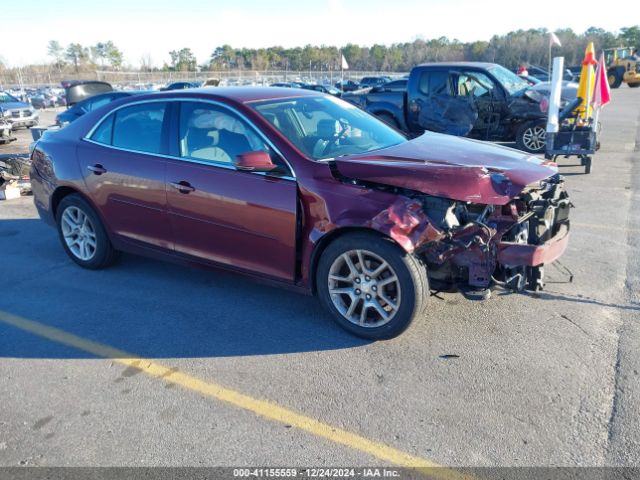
[(339, 87), (366, 82), (543, 75), (39, 98)]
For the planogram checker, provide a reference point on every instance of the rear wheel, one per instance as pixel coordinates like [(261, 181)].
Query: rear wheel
[(530, 137), (82, 234), (371, 286), (634, 85)]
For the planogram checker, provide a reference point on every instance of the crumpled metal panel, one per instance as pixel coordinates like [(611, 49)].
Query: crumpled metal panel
[(406, 223), (447, 114)]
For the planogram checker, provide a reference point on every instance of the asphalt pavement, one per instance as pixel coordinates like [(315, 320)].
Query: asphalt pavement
[(153, 364)]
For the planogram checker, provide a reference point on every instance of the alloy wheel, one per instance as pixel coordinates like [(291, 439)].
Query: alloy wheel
[(79, 233), (364, 288), (533, 138)]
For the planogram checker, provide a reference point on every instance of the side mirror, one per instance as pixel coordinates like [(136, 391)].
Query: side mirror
[(258, 161)]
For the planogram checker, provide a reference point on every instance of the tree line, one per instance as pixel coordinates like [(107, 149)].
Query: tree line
[(511, 50)]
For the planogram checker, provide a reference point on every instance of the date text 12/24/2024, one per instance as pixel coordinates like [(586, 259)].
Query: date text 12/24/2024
[(315, 473)]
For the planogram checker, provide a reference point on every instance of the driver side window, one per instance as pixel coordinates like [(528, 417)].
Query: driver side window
[(465, 85), (474, 84)]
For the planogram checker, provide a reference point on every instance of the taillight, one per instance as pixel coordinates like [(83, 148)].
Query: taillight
[(544, 104)]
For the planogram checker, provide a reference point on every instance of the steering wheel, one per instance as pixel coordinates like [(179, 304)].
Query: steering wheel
[(345, 129), (473, 100), (334, 143)]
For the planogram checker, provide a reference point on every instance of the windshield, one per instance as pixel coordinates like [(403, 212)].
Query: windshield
[(6, 98), (509, 80), (326, 127)]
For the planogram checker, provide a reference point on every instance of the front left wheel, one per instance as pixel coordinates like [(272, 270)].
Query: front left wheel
[(372, 287), (82, 234)]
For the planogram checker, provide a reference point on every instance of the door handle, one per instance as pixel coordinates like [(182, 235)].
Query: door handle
[(182, 186), (97, 169)]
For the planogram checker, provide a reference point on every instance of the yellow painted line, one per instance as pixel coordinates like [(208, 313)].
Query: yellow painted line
[(262, 408)]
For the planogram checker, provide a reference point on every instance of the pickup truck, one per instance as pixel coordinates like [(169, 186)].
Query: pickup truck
[(479, 100)]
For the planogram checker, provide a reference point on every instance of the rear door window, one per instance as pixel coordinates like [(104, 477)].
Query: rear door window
[(439, 83), (434, 83), (139, 127), (104, 133)]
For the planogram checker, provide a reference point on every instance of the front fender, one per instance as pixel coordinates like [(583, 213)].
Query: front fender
[(400, 219)]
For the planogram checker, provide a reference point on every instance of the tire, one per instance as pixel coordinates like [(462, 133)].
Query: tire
[(530, 137), (588, 165), (634, 85), (614, 77), (388, 119), (408, 293), (97, 252)]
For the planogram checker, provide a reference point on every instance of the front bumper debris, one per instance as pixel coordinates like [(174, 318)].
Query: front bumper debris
[(511, 254), (505, 245)]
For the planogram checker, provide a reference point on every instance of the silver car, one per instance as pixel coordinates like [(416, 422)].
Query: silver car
[(17, 113)]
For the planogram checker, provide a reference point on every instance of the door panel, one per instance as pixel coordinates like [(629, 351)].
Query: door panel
[(235, 218), (484, 94), (438, 107), (131, 193)]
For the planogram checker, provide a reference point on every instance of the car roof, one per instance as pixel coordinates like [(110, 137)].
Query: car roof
[(236, 94), (460, 64), (121, 93)]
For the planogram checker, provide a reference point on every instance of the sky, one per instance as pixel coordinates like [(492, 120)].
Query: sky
[(154, 27)]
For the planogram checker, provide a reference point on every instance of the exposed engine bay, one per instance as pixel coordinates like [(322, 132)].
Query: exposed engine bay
[(474, 252), (470, 247)]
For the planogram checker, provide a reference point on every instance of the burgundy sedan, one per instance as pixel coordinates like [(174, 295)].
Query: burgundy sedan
[(304, 190)]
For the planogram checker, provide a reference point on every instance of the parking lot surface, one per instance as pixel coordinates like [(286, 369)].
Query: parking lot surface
[(152, 364)]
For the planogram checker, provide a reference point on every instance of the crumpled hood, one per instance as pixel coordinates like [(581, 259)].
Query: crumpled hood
[(450, 167)]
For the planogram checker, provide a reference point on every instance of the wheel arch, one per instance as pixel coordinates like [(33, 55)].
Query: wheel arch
[(61, 192), (327, 239), (384, 108), (64, 191)]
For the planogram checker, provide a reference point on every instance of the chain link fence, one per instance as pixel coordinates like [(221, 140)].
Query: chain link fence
[(33, 79)]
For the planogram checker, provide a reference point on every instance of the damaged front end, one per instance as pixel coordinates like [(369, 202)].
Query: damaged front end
[(469, 247)]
